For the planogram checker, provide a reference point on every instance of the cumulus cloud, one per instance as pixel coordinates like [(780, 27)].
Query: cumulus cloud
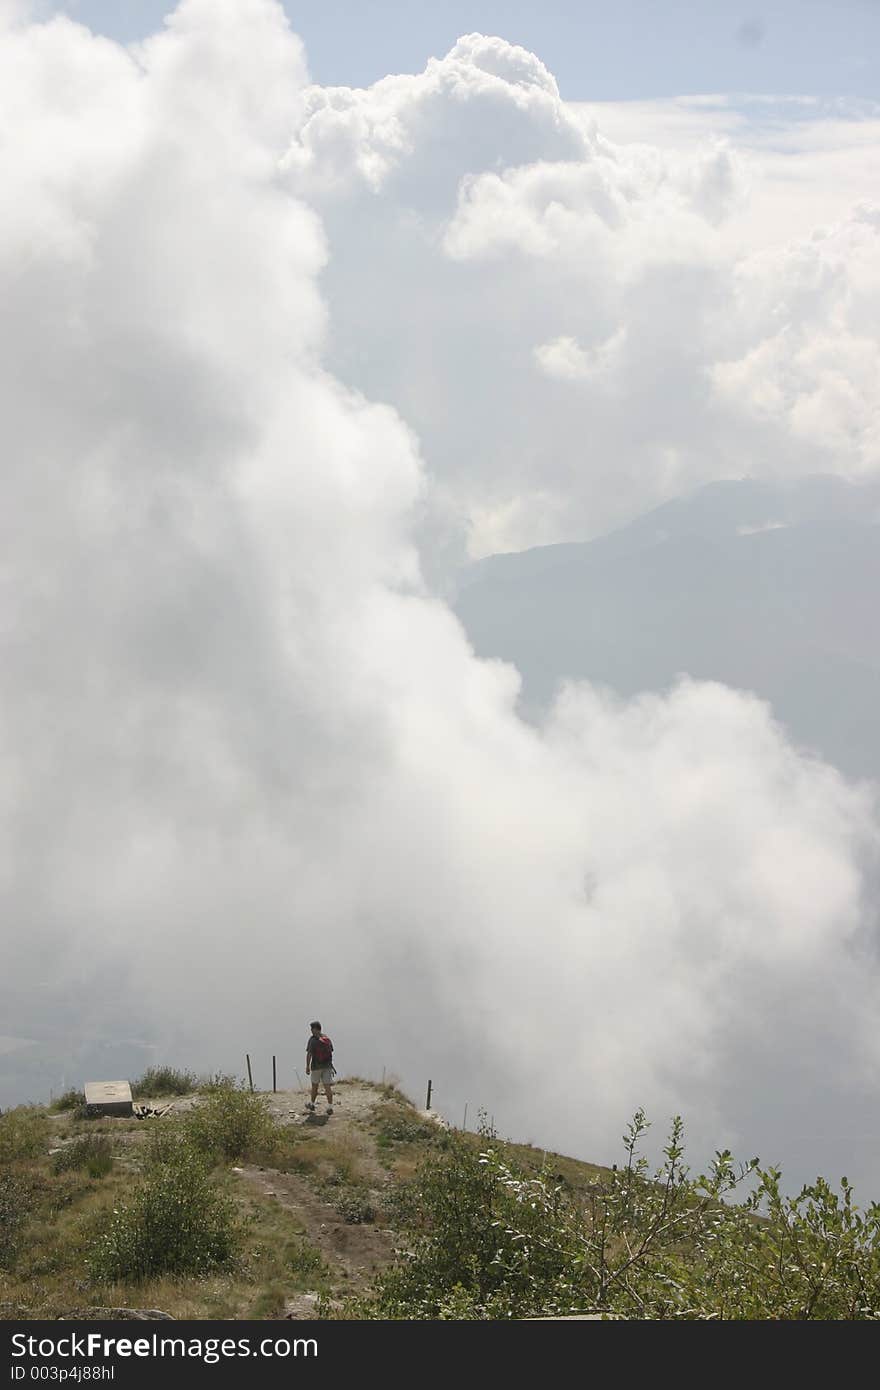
[(415, 136), (566, 359), (806, 319), (251, 770), (475, 220)]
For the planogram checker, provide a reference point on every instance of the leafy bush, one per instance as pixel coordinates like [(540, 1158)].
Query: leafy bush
[(69, 1100), (232, 1123), (24, 1134), (488, 1241), (92, 1153), (164, 1081), (176, 1222)]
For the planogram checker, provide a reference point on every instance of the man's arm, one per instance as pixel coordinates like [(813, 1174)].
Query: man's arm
[(308, 1056)]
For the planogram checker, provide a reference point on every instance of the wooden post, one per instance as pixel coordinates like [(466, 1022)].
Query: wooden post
[(428, 1101), (250, 1077), (274, 1077), (464, 1122)]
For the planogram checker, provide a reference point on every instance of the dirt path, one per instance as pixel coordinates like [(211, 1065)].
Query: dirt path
[(354, 1252)]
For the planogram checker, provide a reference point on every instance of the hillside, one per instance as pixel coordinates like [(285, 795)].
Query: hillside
[(222, 1203), (316, 1192)]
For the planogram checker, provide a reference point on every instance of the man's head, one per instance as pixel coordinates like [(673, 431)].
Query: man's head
[(315, 1027)]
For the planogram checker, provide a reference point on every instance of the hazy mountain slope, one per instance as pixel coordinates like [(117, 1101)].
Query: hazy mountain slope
[(768, 588)]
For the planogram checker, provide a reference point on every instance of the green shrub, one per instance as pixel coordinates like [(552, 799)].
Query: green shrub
[(91, 1153), (486, 1240), (164, 1081), (176, 1222), (69, 1100), (168, 1144), (24, 1134), (219, 1081), (232, 1123)]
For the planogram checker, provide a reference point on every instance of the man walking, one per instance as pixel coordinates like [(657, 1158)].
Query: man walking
[(319, 1064)]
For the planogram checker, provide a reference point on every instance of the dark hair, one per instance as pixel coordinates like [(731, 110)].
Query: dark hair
[(315, 1025)]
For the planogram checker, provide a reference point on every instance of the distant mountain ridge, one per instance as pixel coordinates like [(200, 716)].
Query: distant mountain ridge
[(770, 587)]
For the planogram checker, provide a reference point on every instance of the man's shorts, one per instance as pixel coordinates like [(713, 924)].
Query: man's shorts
[(322, 1076)]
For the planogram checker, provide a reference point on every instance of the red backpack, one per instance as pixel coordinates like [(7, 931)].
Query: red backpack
[(322, 1051)]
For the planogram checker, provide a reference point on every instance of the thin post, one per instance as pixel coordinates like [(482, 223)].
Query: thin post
[(428, 1101), (274, 1076), (464, 1121), (250, 1076)]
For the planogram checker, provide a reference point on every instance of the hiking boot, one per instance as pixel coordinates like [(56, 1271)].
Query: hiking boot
[(309, 1105)]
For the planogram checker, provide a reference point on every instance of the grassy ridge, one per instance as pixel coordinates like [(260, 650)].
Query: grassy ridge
[(181, 1213)]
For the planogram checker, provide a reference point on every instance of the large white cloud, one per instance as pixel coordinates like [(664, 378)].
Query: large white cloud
[(251, 770), (477, 222)]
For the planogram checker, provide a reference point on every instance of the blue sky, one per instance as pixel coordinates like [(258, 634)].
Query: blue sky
[(596, 50)]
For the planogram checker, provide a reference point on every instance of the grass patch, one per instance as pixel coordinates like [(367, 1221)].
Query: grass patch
[(92, 1153), (219, 1081), (52, 1275), (164, 1081), (290, 1149), (302, 1260), (19, 1193), (69, 1100), (400, 1124), (24, 1134), (353, 1203)]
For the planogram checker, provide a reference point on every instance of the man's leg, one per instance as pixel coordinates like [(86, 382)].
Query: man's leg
[(328, 1091), (311, 1104)]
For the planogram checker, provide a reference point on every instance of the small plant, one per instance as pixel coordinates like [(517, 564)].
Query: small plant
[(176, 1222), (232, 1123), (23, 1134), (91, 1153), (219, 1081), (302, 1259), (164, 1081), (69, 1100), (354, 1205)]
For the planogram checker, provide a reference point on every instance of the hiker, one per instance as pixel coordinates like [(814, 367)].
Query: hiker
[(319, 1064)]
